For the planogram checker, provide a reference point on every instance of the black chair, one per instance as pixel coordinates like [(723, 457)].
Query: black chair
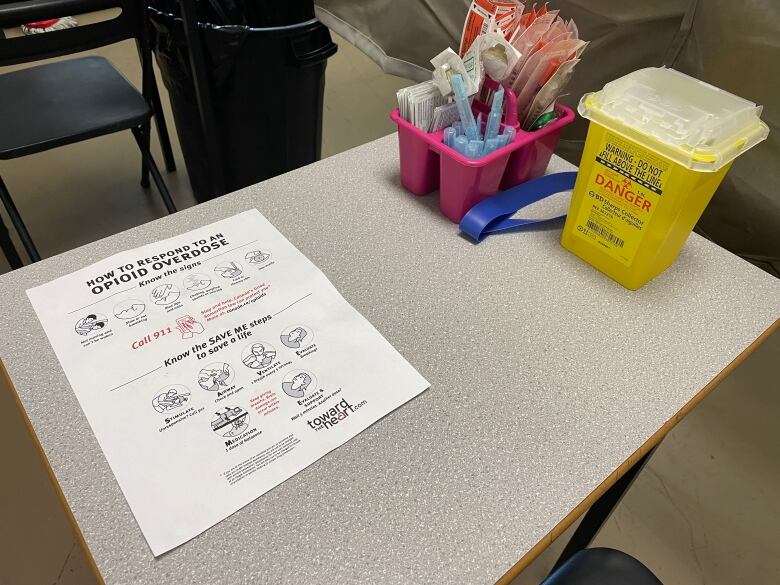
[(602, 566), (55, 104)]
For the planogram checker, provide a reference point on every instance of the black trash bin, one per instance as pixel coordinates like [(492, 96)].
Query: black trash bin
[(266, 88)]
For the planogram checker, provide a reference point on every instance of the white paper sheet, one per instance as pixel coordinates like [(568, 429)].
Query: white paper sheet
[(214, 365)]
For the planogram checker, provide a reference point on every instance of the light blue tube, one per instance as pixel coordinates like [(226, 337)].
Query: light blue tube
[(464, 108), (458, 127), (491, 144), (494, 118), (449, 136), (498, 101), (461, 142), (510, 133), (473, 149), (491, 130), (479, 126)]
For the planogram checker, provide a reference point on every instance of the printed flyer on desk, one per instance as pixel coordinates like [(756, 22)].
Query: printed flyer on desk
[(214, 365)]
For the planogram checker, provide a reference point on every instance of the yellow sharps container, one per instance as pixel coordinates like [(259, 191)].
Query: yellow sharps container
[(659, 143)]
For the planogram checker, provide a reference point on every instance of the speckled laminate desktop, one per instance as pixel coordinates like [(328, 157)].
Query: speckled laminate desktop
[(545, 376)]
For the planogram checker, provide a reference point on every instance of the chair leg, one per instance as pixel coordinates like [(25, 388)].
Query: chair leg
[(143, 145), (152, 95), (8, 247), (146, 136), (16, 219), (162, 128)]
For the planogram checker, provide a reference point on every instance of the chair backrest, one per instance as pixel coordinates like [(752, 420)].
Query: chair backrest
[(128, 24)]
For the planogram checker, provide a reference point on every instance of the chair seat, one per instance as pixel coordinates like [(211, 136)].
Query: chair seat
[(60, 103), (602, 566)]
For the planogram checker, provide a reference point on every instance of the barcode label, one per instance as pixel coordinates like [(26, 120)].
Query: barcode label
[(605, 233)]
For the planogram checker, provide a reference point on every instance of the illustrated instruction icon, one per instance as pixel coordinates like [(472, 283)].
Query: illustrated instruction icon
[(91, 323), (298, 382), (165, 294), (196, 282), (170, 398), (258, 356), (296, 337), (215, 377), (257, 257), (228, 269), (230, 421), (188, 326), (129, 309)]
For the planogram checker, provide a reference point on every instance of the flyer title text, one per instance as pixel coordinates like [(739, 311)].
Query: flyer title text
[(141, 267)]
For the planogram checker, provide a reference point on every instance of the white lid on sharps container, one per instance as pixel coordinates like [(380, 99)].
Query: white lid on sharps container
[(691, 122)]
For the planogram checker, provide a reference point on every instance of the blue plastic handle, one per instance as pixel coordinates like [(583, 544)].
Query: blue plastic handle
[(494, 214)]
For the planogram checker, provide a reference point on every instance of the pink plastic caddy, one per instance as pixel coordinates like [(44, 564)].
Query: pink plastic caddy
[(427, 163)]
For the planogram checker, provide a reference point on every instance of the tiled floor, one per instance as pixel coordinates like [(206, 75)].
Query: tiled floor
[(705, 510)]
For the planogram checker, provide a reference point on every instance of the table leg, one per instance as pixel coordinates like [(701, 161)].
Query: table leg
[(599, 512)]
